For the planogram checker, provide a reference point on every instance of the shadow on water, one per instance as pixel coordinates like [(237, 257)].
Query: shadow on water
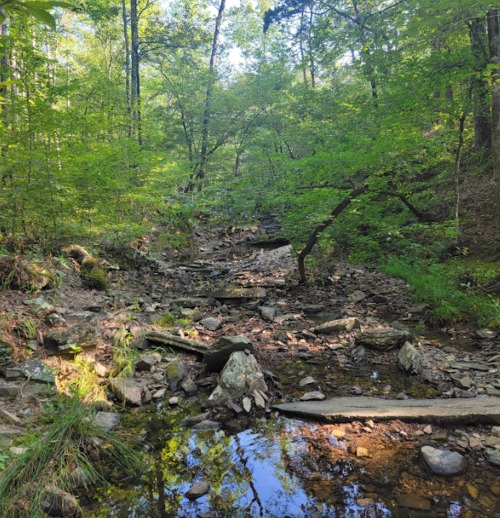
[(279, 468)]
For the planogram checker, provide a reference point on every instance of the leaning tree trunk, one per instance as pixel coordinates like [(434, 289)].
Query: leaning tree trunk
[(320, 228), (494, 48)]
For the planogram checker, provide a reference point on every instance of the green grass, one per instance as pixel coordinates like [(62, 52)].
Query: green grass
[(70, 441), (447, 289)]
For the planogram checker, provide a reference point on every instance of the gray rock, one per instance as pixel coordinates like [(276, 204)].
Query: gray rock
[(313, 308), (9, 391), (409, 358), (444, 463), (36, 371), (489, 334), (308, 380), (102, 370), (492, 456), (127, 390), (191, 302), (191, 421), (54, 319), (356, 296), (313, 396), (426, 376), (206, 425), (81, 316), (7, 350), (106, 420), (400, 327), (80, 335), (358, 354), (189, 387), (141, 343), (465, 366), (463, 383), (240, 377), (382, 339), (247, 404), (146, 363), (7, 417), (338, 326), (259, 400), (211, 323), (218, 353), (159, 394), (175, 374), (228, 293), (268, 314), (418, 308), (197, 490), (57, 502), (39, 305)]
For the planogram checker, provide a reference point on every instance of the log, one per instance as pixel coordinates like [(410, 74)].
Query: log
[(176, 341)]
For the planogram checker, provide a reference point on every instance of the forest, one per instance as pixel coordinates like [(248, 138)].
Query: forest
[(306, 191)]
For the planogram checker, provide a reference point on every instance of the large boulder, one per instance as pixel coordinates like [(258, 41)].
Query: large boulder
[(219, 352), (384, 339), (127, 390), (62, 340), (444, 463), (241, 376), (338, 326), (409, 358)]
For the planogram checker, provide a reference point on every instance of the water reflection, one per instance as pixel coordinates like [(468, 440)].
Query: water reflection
[(280, 468)]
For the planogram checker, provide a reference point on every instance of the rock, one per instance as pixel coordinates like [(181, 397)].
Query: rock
[(247, 404), (39, 305), (492, 456), (489, 334), (382, 339), (259, 400), (463, 383), (342, 325), (61, 340), (229, 293), (400, 327), (175, 374), (18, 451), (482, 410), (492, 441), (101, 370), (444, 463), (211, 323), (426, 376), (197, 490), (268, 314), (365, 502), (473, 492), (465, 366), (189, 387), (7, 417), (418, 308), (313, 396), (308, 380), (141, 343), (174, 400), (313, 308), (240, 377), (414, 502), (401, 395), (362, 452), (491, 391), (57, 502), (9, 391), (54, 320), (358, 354), (206, 425), (191, 421), (127, 390), (218, 353), (356, 296), (495, 490), (81, 316), (106, 420), (495, 431), (146, 363), (428, 429), (191, 302), (7, 350), (160, 394), (409, 358)]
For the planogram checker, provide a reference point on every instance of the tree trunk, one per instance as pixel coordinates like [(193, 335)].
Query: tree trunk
[(494, 48), (320, 228), (4, 63), (482, 119), (136, 88), (127, 57), (208, 99)]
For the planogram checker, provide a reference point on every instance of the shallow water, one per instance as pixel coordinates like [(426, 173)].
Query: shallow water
[(280, 468)]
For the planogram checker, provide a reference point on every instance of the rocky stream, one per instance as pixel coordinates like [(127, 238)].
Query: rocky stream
[(258, 396)]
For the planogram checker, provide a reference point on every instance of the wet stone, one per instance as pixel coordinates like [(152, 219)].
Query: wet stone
[(382, 339), (489, 334), (492, 456), (190, 421), (444, 463), (414, 502), (205, 425)]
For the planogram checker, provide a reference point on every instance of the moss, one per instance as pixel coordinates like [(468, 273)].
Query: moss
[(89, 264), (95, 280)]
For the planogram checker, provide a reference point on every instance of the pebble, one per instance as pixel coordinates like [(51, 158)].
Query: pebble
[(428, 429), (160, 394), (174, 400), (308, 380), (247, 404), (362, 452)]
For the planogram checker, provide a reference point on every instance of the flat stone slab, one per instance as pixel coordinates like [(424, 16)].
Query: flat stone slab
[(484, 410)]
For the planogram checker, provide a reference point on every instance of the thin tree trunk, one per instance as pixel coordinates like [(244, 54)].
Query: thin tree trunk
[(482, 119), (4, 63), (458, 157), (494, 48), (320, 228), (127, 59), (136, 88), (208, 99)]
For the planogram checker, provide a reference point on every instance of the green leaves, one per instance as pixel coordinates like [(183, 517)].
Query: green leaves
[(38, 10)]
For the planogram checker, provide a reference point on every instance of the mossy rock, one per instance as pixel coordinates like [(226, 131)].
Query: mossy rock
[(95, 280), (17, 276), (89, 264), (7, 350), (77, 252)]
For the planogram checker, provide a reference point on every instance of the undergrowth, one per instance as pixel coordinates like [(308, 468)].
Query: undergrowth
[(449, 289), (71, 442)]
